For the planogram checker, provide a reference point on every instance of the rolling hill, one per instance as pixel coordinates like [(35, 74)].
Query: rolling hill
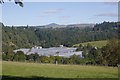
[(94, 43)]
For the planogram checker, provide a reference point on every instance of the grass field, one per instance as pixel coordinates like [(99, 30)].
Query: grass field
[(94, 43), (19, 69)]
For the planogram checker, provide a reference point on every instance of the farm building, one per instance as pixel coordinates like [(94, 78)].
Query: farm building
[(53, 51)]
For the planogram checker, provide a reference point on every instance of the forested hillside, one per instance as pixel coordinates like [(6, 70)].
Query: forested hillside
[(27, 37), (23, 37)]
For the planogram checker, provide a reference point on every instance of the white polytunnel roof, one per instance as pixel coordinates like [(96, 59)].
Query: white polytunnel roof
[(54, 51)]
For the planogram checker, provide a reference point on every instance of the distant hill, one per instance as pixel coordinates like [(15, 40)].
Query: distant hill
[(94, 43), (54, 25), (81, 25), (1, 24)]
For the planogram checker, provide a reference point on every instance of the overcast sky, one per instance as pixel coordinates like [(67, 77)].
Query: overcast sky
[(40, 13)]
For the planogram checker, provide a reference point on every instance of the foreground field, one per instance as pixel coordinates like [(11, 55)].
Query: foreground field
[(28, 70), (94, 43)]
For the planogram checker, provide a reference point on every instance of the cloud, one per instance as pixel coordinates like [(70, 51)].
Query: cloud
[(107, 15), (65, 17), (53, 11)]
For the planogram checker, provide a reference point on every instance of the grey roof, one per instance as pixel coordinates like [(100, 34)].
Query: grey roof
[(62, 51)]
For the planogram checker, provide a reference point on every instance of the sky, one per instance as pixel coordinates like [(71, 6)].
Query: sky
[(42, 13)]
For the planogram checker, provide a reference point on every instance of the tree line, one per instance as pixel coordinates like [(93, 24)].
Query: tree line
[(107, 55), (27, 37)]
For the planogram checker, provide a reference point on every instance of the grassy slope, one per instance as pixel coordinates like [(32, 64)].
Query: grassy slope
[(94, 43), (57, 71)]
